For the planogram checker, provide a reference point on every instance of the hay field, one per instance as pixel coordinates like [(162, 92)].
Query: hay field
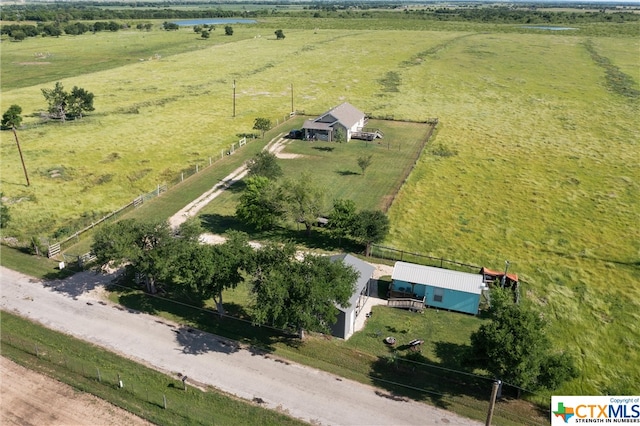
[(546, 174)]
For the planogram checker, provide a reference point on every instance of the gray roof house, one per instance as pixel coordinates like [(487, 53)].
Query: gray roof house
[(346, 320), (345, 117)]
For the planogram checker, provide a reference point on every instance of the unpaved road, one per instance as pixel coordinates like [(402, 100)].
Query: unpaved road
[(29, 398), (274, 146), (308, 394)]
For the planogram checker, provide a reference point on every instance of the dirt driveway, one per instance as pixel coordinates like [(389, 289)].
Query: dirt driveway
[(30, 398)]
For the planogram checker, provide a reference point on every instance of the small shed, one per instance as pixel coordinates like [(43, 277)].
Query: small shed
[(440, 288), (346, 320)]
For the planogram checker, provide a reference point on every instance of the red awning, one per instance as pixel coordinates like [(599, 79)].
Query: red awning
[(497, 274)]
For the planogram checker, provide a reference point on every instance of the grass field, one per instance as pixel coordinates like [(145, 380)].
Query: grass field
[(545, 174)]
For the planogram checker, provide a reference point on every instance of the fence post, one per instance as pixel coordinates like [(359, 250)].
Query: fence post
[(37, 352), (492, 403), (441, 260), (196, 168), (164, 401), (210, 161), (158, 190), (99, 378), (182, 177)]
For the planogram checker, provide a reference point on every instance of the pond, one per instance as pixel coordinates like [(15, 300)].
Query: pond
[(214, 21), (544, 27)]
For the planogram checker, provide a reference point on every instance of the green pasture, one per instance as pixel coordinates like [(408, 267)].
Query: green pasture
[(42, 60), (545, 173)]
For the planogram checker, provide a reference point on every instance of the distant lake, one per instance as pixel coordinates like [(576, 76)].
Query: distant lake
[(543, 27), (214, 21)]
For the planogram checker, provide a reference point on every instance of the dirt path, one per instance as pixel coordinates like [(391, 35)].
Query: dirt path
[(30, 398), (274, 146), (315, 396)]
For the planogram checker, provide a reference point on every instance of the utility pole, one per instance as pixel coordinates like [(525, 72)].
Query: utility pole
[(492, 403), (504, 278), (234, 98), (15, 134)]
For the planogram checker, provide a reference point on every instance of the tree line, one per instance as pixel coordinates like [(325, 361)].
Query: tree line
[(287, 292), (267, 202), (376, 10), (19, 32)]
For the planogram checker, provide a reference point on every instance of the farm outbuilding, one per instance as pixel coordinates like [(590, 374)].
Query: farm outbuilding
[(437, 287), (346, 321), (345, 118)]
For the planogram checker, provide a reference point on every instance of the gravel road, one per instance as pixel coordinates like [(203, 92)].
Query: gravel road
[(71, 306)]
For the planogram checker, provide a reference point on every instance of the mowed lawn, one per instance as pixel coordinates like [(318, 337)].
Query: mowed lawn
[(545, 174)]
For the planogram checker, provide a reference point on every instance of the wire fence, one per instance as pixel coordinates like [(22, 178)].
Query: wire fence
[(54, 248), (432, 123), (389, 253), (442, 385), (105, 378)]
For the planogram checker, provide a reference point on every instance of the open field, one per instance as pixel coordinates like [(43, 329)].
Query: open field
[(545, 174)]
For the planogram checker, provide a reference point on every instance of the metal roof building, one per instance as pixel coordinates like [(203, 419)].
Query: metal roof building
[(440, 288)]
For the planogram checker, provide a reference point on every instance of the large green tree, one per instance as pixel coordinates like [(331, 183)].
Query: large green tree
[(515, 348), (12, 118), (261, 203), (79, 101), (305, 200), (341, 218), (57, 101), (369, 227), (299, 294), (205, 271), (146, 246), (264, 164), (63, 105)]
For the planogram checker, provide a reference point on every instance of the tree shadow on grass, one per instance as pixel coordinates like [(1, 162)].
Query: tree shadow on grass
[(323, 148), (453, 355), (406, 372), (319, 238), (347, 173), (237, 187), (219, 224)]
